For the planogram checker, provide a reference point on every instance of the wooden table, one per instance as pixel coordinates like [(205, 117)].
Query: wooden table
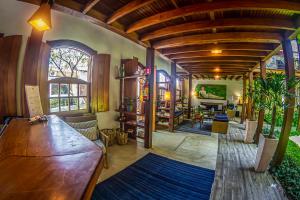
[(47, 161)]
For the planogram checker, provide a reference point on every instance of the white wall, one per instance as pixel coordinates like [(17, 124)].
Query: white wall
[(13, 17)]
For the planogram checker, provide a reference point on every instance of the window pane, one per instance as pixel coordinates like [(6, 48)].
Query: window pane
[(64, 104), (64, 90), (82, 90), (74, 103), (74, 90), (53, 90), (54, 105), (82, 103)]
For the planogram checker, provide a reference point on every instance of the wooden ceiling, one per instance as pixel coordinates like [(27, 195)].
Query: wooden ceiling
[(186, 31)]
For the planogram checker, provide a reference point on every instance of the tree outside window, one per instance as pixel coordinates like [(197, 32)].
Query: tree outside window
[(68, 79)]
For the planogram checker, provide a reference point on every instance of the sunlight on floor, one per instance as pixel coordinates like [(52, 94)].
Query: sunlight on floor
[(195, 149)]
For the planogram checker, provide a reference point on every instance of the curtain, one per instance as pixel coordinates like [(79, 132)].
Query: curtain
[(100, 75)]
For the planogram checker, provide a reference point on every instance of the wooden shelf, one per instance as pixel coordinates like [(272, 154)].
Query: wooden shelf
[(129, 113), (131, 77), (165, 117)]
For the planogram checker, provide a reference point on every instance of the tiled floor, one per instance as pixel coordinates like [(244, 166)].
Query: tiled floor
[(190, 148)]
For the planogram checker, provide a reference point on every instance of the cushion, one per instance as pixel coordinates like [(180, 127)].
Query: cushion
[(90, 133), (101, 145), (83, 125)]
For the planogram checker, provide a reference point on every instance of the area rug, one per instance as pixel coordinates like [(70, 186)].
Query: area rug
[(157, 177), (187, 126)]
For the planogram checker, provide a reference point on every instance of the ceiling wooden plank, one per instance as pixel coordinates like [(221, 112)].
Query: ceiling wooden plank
[(278, 5), (266, 23), (218, 64), (224, 53), (221, 46), (128, 8), (260, 37), (89, 6), (93, 16), (219, 59)]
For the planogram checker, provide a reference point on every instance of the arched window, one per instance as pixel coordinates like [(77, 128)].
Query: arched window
[(69, 79)]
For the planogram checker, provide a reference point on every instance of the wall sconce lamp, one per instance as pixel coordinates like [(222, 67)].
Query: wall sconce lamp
[(41, 18)]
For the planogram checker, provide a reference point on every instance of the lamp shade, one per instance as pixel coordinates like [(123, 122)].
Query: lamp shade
[(41, 19), (167, 96)]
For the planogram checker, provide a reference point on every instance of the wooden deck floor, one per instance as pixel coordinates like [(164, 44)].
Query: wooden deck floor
[(235, 177)]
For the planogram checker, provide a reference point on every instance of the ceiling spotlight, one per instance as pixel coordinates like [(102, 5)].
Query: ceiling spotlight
[(216, 51), (217, 77), (217, 69)]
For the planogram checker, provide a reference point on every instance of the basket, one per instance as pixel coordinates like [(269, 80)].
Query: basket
[(122, 137), (111, 133)]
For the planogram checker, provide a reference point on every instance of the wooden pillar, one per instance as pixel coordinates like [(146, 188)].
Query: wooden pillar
[(243, 115), (261, 115), (289, 100), (298, 99), (250, 114), (173, 96), (190, 96), (30, 65), (148, 104)]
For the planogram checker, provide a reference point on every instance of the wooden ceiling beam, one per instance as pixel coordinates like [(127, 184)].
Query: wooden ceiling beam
[(278, 5), (128, 8), (221, 73), (219, 65), (219, 59), (216, 69), (224, 53), (89, 6), (221, 46), (260, 37), (74, 8), (238, 78), (266, 23)]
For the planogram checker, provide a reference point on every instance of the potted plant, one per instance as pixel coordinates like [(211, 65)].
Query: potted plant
[(274, 88), (251, 123)]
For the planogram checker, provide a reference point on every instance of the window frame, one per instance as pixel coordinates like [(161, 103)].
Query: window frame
[(70, 80)]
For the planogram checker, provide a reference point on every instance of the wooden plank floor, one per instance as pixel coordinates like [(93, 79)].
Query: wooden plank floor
[(235, 177)]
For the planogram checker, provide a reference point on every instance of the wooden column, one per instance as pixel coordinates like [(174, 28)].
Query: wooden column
[(148, 104), (30, 65), (173, 96), (290, 101), (250, 114), (243, 115), (298, 99), (190, 96), (261, 114)]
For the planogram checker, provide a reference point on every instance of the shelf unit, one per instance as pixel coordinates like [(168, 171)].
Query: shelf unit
[(163, 81), (132, 106)]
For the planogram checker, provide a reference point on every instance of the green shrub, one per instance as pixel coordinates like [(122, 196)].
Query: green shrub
[(288, 173)]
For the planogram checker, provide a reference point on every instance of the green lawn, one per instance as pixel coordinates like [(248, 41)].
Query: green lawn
[(288, 173)]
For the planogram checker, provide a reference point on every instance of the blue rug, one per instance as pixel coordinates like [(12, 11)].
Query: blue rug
[(157, 177), (187, 126)]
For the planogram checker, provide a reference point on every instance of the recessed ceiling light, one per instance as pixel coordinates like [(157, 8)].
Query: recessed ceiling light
[(216, 51), (217, 77)]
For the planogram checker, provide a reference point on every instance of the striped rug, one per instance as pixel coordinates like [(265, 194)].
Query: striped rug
[(157, 177)]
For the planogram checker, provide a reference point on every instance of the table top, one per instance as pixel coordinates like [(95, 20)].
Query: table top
[(47, 160)]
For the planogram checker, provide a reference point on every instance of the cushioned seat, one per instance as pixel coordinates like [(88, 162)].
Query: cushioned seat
[(87, 126)]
